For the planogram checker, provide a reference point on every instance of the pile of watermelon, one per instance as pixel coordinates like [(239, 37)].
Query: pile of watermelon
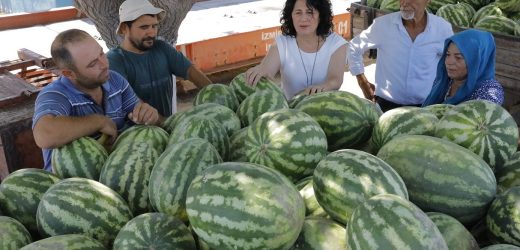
[(242, 170), (496, 16)]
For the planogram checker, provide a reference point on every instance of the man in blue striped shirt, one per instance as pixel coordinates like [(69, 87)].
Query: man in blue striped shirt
[(87, 100)]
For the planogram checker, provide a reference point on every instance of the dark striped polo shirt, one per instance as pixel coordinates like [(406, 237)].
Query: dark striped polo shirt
[(62, 98)]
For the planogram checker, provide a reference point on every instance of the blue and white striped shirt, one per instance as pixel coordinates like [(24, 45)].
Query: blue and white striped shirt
[(62, 98)]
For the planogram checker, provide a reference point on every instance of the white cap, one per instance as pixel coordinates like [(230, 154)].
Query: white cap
[(133, 9)]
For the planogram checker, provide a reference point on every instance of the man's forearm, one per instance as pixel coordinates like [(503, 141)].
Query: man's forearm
[(198, 77), (55, 131)]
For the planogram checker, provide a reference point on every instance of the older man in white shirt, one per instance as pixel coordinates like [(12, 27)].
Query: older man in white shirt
[(409, 45)]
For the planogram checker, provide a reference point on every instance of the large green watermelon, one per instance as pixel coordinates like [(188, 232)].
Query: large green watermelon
[(244, 206), (459, 14), (127, 171), (236, 145), (402, 121), (442, 176), (346, 119), (243, 90), (219, 94), (503, 217), (13, 235), (346, 178), (205, 128), (83, 157), (68, 242), (258, 103), (508, 176), (20, 194), (320, 233), (154, 231), (439, 109), (312, 207), (498, 24), (174, 171), (82, 206), (287, 140), (227, 117), (153, 135), (454, 233), (488, 10), (388, 221), (483, 127)]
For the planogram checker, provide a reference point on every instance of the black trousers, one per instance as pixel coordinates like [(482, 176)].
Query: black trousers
[(388, 105)]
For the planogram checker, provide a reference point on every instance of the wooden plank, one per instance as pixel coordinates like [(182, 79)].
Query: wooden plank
[(14, 89), (16, 21), (509, 57)]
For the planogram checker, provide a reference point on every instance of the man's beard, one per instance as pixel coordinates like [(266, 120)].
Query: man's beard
[(140, 45), (407, 15)]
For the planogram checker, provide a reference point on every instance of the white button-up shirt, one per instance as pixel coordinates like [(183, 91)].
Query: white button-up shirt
[(405, 69)]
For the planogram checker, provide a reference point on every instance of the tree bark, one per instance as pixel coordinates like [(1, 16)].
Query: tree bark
[(105, 16)]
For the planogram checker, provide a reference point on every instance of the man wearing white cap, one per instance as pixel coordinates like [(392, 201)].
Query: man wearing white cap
[(148, 63)]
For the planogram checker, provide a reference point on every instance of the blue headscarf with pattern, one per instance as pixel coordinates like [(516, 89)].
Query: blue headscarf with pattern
[(478, 49)]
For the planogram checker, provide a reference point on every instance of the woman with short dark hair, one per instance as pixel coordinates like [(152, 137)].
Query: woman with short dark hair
[(308, 54)]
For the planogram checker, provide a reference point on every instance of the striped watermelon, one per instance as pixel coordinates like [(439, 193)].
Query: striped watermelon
[(287, 140), (388, 221), (442, 176), (155, 136), (402, 121), (20, 193), (224, 115), (312, 207), (501, 247), (498, 24), (219, 94), (258, 103), (439, 109), (243, 90), (488, 10), (454, 233), (508, 176), (296, 99), (170, 122), (457, 14), (13, 234), (346, 119), (346, 178), (244, 206), (154, 231), (503, 217), (83, 206), (435, 5), (320, 234), (483, 127), (509, 5), (390, 5), (83, 157), (68, 242), (174, 171), (127, 171), (205, 128), (236, 145), (476, 4)]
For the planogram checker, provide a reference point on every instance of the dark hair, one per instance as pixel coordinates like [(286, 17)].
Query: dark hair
[(129, 23), (325, 26), (59, 52)]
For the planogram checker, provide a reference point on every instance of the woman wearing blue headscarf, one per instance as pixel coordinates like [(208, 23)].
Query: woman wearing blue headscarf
[(466, 71)]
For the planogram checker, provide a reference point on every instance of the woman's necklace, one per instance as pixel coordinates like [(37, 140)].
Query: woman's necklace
[(313, 64)]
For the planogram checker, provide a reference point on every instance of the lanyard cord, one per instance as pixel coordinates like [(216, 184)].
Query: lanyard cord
[(313, 64)]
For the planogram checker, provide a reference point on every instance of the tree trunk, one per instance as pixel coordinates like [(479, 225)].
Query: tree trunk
[(105, 16)]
